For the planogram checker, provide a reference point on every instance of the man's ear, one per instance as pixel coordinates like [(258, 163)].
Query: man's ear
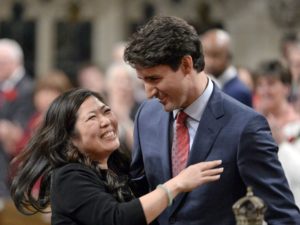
[(187, 64)]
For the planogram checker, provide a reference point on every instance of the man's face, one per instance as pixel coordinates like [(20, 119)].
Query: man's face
[(216, 56), (170, 87), (7, 64)]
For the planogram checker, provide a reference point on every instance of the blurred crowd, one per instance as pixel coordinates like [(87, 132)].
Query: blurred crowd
[(271, 89)]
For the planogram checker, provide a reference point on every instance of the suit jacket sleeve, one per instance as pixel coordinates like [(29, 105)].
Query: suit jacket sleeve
[(259, 167), (79, 193)]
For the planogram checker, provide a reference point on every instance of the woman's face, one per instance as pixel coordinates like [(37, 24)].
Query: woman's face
[(96, 130), (272, 93)]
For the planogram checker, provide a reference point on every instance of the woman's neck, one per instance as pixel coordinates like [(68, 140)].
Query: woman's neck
[(103, 165)]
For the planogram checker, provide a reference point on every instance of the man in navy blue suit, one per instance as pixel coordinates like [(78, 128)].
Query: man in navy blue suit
[(218, 63), (167, 56)]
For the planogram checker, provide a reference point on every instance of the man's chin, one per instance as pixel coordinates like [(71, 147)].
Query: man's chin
[(168, 107)]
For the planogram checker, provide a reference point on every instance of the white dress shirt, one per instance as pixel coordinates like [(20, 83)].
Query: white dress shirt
[(195, 111)]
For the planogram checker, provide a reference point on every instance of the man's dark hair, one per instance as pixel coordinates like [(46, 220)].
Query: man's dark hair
[(164, 40)]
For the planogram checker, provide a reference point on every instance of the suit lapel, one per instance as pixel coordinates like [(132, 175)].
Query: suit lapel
[(164, 143), (207, 132)]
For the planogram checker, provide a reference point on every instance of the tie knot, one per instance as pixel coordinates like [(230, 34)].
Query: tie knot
[(181, 118)]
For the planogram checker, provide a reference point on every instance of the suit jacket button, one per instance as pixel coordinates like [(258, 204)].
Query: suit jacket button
[(172, 220)]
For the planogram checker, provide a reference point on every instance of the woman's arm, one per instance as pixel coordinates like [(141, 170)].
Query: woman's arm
[(79, 193), (192, 177)]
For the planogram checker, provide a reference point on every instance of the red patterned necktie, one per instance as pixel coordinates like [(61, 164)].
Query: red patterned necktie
[(181, 144)]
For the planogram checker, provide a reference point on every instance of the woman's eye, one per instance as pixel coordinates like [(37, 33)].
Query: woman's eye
[(91, 117)]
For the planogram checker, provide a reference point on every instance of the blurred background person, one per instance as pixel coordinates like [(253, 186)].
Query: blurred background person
[(246, 76), (287, 43), (289, 156), (47, 88), (121, 82), (218, 63), (117, 58), (273, 84), (16, 104), (91, 77), (118, 52)]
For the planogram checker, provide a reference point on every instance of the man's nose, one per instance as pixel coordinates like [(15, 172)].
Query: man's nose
[(151, 91)]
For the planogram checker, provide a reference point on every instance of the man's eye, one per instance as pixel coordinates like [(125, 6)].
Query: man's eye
[(152, 79)]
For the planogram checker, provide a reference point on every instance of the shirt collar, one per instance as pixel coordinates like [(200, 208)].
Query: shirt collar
[(227, 75), (196, 109)]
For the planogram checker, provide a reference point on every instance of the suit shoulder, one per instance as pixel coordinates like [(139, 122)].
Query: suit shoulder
[(150, 106), (237, 85), (235, 106)]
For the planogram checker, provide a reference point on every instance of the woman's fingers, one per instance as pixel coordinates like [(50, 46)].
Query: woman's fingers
[(210, 178), (198, 174), (209, 165), (212, 172)]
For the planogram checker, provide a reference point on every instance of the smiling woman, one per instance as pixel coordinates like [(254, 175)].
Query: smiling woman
[(83, 174), (97, 143)]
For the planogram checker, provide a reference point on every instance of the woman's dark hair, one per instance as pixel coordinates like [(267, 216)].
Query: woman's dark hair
[(51, 147), (274, 69), (164, 40)]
